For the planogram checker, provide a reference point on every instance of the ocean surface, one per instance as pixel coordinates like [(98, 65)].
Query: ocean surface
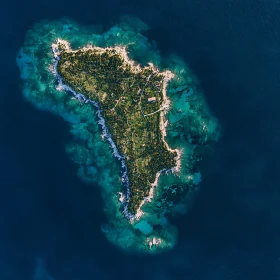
[(50, 220)]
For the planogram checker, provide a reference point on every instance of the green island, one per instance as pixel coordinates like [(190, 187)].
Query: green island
[(138, 123), (131, 99)]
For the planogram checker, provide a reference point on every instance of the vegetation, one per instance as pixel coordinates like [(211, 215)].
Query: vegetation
[(123, 95)]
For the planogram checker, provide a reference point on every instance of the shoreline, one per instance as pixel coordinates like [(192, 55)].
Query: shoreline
[(168, 75)]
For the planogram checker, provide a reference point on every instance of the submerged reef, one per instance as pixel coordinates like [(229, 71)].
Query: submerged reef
[(137, 122)]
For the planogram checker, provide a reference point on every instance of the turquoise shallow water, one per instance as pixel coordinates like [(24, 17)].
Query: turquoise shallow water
[(191, 126)]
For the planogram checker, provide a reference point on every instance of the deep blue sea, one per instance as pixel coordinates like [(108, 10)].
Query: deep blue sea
[(50, 221)]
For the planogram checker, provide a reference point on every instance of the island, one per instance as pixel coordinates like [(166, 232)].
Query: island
[(139, 122), (132, 104)]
